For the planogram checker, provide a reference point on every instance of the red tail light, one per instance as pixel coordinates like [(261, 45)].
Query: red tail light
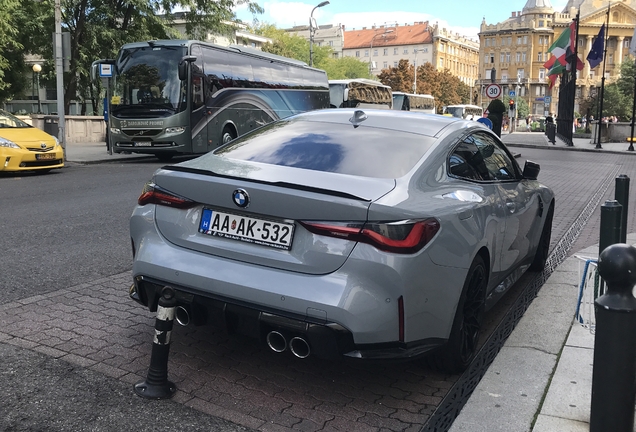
[(402, 237), (153, 194)]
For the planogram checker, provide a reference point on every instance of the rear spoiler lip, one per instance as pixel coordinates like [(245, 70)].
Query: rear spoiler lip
[(281, 184)]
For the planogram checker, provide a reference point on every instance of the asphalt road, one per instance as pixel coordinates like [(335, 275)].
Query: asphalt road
[(68, 226)]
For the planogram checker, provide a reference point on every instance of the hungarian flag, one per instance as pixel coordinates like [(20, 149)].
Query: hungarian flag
[(563, 47), (595, 57)]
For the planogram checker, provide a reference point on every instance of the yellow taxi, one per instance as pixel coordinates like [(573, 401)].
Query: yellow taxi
[(26, 148)]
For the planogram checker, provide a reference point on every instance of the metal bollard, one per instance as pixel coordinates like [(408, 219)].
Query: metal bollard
[(614, 373), (611, 212), (621, 194), (156, 385)]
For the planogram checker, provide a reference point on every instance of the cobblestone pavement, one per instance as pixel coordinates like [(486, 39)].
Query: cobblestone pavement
[(95, 326)]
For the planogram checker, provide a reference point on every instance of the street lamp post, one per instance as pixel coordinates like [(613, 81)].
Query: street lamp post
[(415, 72), (312, 27), (36, 72), (371, 48)]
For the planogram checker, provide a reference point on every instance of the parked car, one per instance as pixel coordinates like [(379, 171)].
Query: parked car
[(370, 234), (26, 148)]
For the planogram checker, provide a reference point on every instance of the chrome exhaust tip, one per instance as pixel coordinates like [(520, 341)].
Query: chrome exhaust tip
[(299, 347), (276, 341), (182, 316)]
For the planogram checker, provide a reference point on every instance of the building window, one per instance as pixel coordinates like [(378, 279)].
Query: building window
[(366, 53), (375, 53), (357, 53), (523, 57), (627, 42), (395, 64), (518, 40), (541, 23), (509, 40), (486, 58), (395, 51), (492, 58), (525, 40), (610, 58), (521, 73), (501, 57), (385, 65), (507, 57), (441, 62), (487, 42), (406, 51), (330, 43), (540, 56), (541, 74), (386, 51), (518, 57)]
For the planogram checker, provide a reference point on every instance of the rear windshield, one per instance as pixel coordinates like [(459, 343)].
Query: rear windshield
[(331, 147)]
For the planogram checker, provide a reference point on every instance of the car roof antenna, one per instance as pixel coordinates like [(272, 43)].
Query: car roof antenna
[(358, 117)]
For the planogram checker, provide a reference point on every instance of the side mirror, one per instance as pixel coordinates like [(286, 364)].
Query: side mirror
[(183, 66), (531, 170)]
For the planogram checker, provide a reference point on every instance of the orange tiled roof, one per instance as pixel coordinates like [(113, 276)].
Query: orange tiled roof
[(418, 33)]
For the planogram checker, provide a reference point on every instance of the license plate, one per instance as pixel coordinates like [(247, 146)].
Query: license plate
[(45, 156), (143, 144), (248, 229)]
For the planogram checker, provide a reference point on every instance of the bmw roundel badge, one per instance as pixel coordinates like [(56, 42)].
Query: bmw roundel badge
[(241, 198)]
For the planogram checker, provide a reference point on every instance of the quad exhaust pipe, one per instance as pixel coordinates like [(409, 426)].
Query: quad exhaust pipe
[(298, 346), (182, 316)]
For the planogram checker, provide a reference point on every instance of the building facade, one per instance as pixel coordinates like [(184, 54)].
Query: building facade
[(513, 52), (325, 35), (457, 53), (384, 46)]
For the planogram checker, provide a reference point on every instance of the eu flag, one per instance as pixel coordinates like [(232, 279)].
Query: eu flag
[(596, 53)]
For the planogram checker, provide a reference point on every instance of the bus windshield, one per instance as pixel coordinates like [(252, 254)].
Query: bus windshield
[(455, 111), (147, 83)]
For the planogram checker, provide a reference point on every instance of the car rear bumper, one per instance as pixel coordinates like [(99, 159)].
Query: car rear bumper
[(325, 340)]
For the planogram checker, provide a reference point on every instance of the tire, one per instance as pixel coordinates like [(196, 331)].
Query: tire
[(460, 349), (543, 248), (227, 135)]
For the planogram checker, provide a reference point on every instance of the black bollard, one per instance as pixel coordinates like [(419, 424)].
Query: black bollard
[(621, 194), (611, 213), (156, 385), (614, 373)]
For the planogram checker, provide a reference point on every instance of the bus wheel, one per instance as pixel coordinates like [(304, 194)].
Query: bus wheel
[(228, 134), (164, 157)]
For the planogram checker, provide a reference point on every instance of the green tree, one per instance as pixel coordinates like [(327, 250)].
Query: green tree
[(345, 68), (289, 45), (10, 47)]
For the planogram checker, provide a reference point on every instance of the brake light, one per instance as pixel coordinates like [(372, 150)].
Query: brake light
[(402, 237), (153, 194)]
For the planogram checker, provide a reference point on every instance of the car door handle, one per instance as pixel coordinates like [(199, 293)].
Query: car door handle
[(511, 206)]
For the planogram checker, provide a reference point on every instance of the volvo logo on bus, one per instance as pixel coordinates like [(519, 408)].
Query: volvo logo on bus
[(241, 198)]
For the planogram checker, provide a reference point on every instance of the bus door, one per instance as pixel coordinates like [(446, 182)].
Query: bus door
[(198, 118)]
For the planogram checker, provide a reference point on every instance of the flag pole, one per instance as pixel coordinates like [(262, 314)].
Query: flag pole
[(631, 141), (600, 110)]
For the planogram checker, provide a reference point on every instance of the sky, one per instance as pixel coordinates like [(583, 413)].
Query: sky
[(461, 16)]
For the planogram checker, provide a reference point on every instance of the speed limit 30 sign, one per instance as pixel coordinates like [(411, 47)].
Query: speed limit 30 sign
[(493, 91)]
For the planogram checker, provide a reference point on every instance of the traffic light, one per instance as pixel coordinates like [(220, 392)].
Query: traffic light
[(511, 104)]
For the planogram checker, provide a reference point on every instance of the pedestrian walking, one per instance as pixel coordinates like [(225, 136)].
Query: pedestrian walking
[(528, 123)]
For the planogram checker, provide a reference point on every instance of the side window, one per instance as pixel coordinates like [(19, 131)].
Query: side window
[(467, 162), (498, 163)]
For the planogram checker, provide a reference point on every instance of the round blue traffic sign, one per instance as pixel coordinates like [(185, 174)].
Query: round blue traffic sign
[(486, 121)]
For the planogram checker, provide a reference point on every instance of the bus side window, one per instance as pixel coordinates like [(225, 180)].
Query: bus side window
[(217, 68)]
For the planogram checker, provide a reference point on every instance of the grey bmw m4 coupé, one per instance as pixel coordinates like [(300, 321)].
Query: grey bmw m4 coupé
[(345, 233)]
